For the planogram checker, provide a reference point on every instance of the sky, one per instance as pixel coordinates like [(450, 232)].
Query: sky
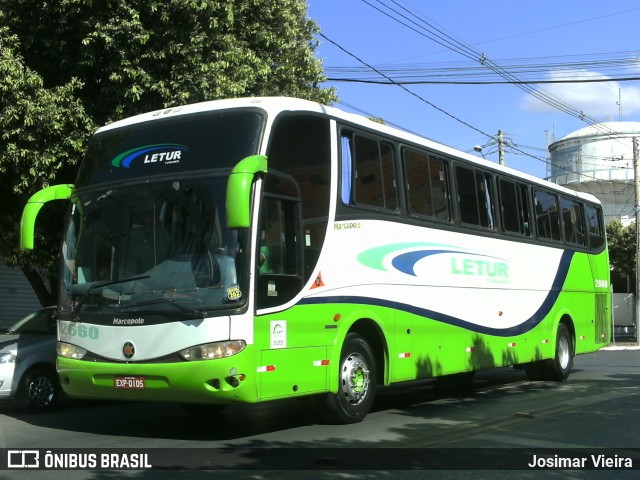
[(546, 40)]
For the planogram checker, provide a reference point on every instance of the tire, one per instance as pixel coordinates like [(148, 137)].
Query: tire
[(559, 367), (535, 371), (38, 390), (357, 388), (202, 409)]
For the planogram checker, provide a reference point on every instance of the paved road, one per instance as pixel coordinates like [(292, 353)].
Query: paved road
[(417, 426)]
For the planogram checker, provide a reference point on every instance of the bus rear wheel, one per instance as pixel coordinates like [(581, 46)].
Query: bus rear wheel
[(357, 385), (559, 367)]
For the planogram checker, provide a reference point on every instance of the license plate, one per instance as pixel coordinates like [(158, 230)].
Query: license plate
[(129, 383)]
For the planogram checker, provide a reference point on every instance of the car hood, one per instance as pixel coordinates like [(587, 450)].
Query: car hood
[(24, 341)]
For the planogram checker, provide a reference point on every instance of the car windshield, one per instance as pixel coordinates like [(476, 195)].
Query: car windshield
[(41, 322), (153, 247)]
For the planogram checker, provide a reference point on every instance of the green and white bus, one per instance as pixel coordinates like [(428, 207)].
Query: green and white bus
[(257, 249)]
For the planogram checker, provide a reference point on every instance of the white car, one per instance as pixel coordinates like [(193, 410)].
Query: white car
[(28, 362)]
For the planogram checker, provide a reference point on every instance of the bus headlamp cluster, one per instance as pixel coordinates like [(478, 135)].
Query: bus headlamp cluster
[(67, 350), (212, 351)]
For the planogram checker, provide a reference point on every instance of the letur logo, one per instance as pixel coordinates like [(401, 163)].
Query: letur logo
[(166, 153)]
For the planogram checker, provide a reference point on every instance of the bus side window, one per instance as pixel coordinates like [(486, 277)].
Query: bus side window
[(347, 168), (514, 205), (475, 197), (594, 226), (525, 201), (427, 188), (547, 217), (375, 182), (572, 221)]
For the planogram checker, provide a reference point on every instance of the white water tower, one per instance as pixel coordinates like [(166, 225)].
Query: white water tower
[(599, 160)]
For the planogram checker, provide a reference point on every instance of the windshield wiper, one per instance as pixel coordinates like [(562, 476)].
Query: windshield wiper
[(184, 308), (101, 284), (85, 288)]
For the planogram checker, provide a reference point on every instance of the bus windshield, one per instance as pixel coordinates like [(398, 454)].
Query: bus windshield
[(171, 146), (152, 247)]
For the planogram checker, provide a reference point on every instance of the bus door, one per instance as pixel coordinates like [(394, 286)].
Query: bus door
[(289, 353)]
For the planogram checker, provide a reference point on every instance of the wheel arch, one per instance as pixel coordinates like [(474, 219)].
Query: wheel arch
[(371, 331), (44, 395), (24, 371), (568, 322)]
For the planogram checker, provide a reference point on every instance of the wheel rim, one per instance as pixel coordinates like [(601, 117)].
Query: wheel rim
[(564, 355), (41, 391), (355, 379)]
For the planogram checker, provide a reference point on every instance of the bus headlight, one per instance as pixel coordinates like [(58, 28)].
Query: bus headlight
[(211, 351), (67, 350)]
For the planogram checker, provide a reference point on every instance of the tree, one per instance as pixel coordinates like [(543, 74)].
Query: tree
[(42, 134), (139, 55), (70, 65), (622, 247)]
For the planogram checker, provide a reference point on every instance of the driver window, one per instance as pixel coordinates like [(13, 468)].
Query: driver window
[(279, 277)]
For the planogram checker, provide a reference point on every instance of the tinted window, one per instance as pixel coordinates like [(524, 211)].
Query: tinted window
[(514, 204), (300, 147), (368, 175), (427, 187), (547, 218), (572, 221), (474, 197), (594, 225), (279, 278)]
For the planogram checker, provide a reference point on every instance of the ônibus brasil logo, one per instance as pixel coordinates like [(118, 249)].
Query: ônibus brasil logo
[(166, 153)]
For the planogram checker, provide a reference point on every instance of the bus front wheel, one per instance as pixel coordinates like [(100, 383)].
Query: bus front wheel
[(357, 383)]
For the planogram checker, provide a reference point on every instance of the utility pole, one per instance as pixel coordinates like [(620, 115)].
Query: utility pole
[(500, 147), (636, 183), (619, 102)]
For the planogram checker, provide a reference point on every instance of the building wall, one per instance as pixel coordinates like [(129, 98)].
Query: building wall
[(17, 298)]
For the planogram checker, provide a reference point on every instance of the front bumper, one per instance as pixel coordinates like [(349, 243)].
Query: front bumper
[(224, 380)]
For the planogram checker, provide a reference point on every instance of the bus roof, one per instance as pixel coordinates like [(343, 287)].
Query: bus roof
[(274, 105)]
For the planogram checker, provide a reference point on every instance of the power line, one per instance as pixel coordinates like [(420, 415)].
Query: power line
[(392, 82), (424, 27), (476, 82), (427, 29), (431, 104), (620, 66), (554, 27)]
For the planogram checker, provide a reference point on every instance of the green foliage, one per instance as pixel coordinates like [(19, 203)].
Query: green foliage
[(140, 55), (622, 246), (70, 65), (42, 134)]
